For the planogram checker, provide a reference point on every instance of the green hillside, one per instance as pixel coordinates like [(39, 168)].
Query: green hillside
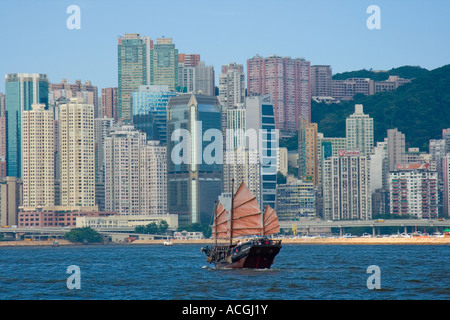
[(420, 109), (406, 72)]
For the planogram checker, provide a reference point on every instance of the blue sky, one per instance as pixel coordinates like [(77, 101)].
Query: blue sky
[(35, 38)]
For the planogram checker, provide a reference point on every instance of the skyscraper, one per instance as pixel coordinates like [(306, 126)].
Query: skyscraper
[(194, 157), (321, 81), (122, 171), (164, 63), (38, 157), (153, 178), (414, 191), (196, 79), (133, 62), (308, 161), (232, 85), (110, 103), (22, 90), (346, 187), (396, 148), (359, 131), (150, 111), (260, 119), (287, 80), (77, 155)]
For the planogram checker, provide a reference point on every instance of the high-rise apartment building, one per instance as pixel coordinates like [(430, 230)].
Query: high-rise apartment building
[(135, 173), (260, 120), (64, 91), (164, 63), (346, 187), (359, 131), (296, 199), (22, 90), (10, 200), (232, 85), (134, 70), (77, 154), (287, 80), (196, 79), (321, 77), (328, 147), (122, 172), (110, 103), (194, 161), (189, 60), (101, 131), (446, 185), (308, 161), (396, 148), (414, 191), (38, 157), (153, 178)]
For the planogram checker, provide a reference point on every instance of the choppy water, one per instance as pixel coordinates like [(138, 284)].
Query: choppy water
[(152, 272)]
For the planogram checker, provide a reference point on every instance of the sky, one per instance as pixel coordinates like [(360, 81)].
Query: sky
[(36, 39)]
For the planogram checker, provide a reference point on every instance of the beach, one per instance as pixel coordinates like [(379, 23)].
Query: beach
[(309, 240)]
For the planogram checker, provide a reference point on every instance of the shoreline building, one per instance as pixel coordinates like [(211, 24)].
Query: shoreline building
[(194, 157), (77, 154), (296, 199), (287, 80), (414, 191), (38, 157), (22, 90), (346, 187)]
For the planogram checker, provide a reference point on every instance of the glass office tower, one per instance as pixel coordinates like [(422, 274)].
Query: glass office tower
[(149, 111), (194, 123), (22, 90)]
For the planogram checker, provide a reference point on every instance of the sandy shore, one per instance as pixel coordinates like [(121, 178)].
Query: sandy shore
[(339, 241)]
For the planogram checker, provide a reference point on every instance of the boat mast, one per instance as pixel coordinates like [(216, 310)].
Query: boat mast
[(231, 212), (215, 217)]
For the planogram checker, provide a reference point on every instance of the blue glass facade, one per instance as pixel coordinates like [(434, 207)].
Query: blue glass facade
[(193, 185), (150, 111), (21, 91)]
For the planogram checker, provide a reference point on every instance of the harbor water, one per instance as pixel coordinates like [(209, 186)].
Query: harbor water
[(180, 272)]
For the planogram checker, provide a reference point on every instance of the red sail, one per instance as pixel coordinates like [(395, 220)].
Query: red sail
[(220, 227), (271, 225), (247, 218)]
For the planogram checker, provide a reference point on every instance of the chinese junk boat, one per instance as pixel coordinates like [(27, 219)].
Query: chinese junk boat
[(245, 219)]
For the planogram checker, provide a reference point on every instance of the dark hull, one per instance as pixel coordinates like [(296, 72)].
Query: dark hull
[(252, 255)]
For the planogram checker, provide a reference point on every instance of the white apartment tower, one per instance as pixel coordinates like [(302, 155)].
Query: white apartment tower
[(232, 85), (135, 173), (359, 131), (121, 158), (153, 178), (346, 187), (38, 157), (77, 156)]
